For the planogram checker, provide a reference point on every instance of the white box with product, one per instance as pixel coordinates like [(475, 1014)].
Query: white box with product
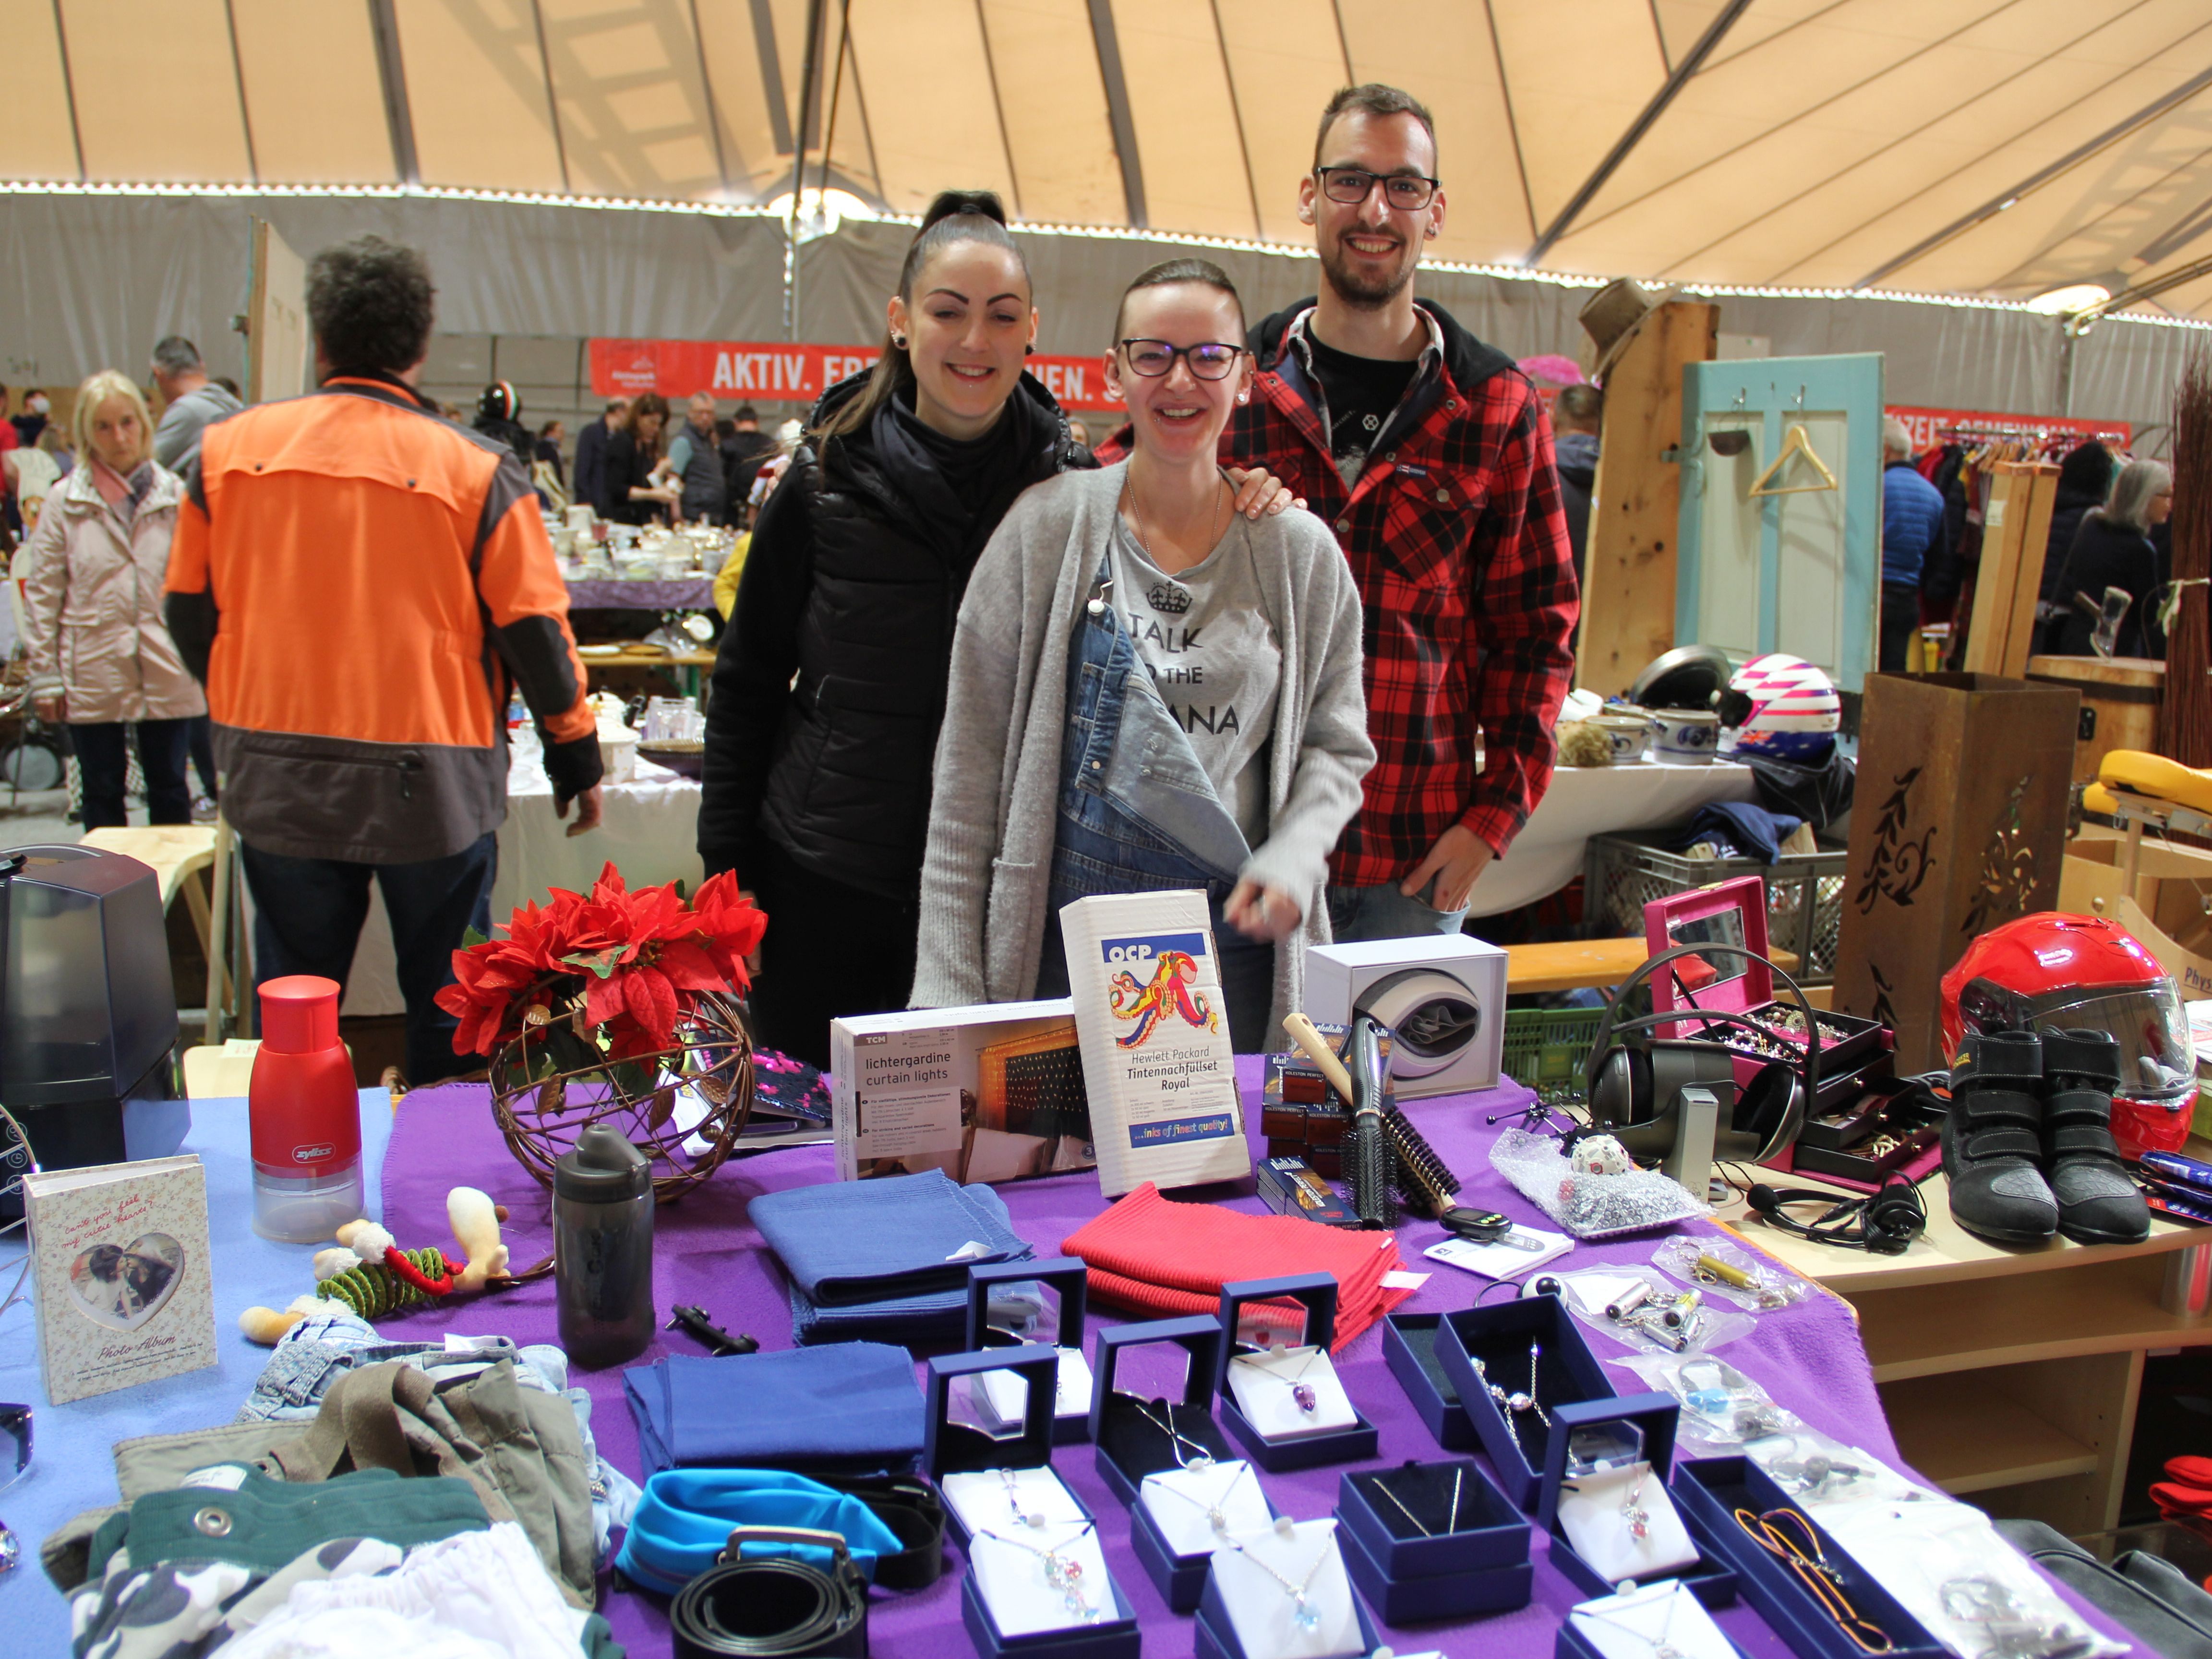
[(991, 1093), (1443, 996)]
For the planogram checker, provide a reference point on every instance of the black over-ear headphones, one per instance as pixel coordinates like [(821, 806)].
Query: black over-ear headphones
[(1630, 1084), (1885, 1221)]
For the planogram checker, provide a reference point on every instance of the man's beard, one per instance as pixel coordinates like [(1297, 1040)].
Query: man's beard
[(1363, 289)]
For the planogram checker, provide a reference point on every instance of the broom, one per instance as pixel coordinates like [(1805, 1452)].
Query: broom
[(2185, 726)]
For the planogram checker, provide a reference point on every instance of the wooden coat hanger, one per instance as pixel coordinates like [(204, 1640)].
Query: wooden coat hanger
[(1796, 443)]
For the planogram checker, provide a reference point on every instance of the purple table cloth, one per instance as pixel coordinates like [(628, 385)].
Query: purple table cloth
[(1808, 1356), (611, 594)]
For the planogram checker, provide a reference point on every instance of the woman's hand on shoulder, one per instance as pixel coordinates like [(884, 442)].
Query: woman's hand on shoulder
[(1259, 911), (1259, 493)]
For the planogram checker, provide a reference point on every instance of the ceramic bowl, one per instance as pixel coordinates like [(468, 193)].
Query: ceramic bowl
[(1627, 734), (1686, 737)]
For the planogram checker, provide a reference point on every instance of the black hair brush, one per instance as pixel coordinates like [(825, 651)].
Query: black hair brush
[(1371, 1165), (1423, 1180)]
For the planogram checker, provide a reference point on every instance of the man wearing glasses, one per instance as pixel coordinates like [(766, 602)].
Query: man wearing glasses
[(1429, 454)]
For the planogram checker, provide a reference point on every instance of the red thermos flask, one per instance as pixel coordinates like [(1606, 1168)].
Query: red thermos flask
[(306, 1115)]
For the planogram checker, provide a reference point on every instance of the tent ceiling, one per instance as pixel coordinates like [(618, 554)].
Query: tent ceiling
[(1987, 147)]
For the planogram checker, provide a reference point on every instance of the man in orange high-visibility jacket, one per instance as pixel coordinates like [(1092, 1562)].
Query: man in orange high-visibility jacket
[(361, 584)]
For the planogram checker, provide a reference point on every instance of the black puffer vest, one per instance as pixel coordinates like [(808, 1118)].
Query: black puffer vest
[(848, 791)]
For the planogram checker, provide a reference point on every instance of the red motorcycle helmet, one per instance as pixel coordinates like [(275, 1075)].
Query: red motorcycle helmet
[(2050, 972)]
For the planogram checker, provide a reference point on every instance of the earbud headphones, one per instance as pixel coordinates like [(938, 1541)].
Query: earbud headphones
[(1630, 1084), (1885, 1221)]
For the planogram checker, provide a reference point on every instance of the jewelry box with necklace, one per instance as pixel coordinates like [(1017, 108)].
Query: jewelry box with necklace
[(1426, 1542), (1280, 1396), (1282, 1593), (1409, 1349), (1808, 1588), (1005, 1309), (1037, 1580), (1655, 1621), (1608, 1502), (1514, 1364)]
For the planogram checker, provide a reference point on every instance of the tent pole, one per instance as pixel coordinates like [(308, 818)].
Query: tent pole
[(810, 67)]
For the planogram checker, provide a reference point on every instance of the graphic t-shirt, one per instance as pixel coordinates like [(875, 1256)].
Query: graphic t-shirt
[(1362, 394), (1213, 654)]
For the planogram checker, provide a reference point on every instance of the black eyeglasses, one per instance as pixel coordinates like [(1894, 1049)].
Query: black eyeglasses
[(1409, 191), (1209, 362)]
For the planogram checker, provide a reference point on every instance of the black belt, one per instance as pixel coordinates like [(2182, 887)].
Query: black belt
[(911, 1507), (774, 1605)]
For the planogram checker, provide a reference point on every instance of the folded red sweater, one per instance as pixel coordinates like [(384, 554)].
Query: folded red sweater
[(1165, 1258)]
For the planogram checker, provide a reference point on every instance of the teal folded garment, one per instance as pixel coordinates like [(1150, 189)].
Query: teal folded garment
[(845, 1243), (684, 1523)]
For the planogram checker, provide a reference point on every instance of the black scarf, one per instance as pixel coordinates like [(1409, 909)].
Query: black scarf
[(960, 488)]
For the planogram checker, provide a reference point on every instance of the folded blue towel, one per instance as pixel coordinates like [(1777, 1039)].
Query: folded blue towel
[(683, 1522), (844, 1242), (853, 1408), (935, 1322)]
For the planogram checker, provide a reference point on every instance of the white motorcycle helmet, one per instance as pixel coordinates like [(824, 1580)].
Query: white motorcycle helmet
[(1794, 713)]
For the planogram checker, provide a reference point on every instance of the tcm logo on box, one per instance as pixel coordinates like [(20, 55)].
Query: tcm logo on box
[(1132, 952)]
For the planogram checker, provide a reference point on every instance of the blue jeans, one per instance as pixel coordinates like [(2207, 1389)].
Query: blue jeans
[(1138, 814), (307, 918), (102, 766), (1372, 913)]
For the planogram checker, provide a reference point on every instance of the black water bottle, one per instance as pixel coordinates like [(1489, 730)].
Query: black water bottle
[(602, 1249)]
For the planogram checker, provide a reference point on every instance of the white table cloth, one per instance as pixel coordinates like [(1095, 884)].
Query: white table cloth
[(1598, 800)]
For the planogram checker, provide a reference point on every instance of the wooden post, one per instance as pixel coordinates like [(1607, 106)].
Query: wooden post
[(2014, 535), (1628, 583)]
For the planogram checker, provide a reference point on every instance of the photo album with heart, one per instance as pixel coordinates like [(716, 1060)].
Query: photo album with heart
[(125, 1295)]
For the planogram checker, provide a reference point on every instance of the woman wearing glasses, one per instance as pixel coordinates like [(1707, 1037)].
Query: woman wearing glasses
[(831, 676), (1148, 693)]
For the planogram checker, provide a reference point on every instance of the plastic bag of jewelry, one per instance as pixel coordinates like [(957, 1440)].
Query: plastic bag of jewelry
[(1638, 1306), (1723, 1410), (1719, 1268), (1955, 1573), (1820, 1472), (1589, 1205)]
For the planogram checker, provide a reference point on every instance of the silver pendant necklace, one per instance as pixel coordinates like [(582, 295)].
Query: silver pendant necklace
[(1511, 1406), (1062, 1573), (1304, 1614), (1217, 1512), (1451, 1524), (1176, 1439), (1660, 1646)]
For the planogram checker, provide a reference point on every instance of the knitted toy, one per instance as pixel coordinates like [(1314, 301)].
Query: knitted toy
[(369, 1275)]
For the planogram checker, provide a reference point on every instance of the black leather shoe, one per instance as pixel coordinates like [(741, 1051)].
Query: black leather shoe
[(1992, 1141), (2097, 1202)]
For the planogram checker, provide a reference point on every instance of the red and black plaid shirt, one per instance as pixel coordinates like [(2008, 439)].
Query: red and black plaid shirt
[(1457, 538)]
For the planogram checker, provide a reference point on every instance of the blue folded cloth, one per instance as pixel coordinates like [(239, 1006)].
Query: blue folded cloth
[(847, 1242), (854, 1407), (938, 1320), (1758, 832), (683, 1522)]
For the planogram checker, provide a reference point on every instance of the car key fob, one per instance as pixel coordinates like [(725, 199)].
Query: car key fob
[(1482, 1226)]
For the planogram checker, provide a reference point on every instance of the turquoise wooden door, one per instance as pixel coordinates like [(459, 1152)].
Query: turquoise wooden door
[(1799, 571)]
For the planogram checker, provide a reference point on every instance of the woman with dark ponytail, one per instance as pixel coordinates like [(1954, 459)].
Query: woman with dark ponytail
[(830, 683)]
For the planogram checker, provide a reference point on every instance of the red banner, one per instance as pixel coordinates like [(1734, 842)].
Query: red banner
[(743, 371), (1930, 427)]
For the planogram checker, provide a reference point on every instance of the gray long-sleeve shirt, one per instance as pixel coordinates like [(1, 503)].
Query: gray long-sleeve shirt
[(986, 880)]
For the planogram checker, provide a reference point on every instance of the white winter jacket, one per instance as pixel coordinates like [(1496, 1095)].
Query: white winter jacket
[(92, 604)]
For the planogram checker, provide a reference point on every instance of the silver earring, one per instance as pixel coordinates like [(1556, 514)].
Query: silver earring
[(1244, 398)]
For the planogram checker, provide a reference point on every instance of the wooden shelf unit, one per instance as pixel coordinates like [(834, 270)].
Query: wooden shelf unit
[(2010, 1376)]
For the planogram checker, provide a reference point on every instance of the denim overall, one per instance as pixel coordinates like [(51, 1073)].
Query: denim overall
[(1138, 814)]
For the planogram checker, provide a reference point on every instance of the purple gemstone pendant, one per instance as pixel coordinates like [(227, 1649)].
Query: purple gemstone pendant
[(1303, 1394)]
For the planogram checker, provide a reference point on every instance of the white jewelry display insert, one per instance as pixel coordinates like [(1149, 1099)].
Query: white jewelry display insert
[(1184, 1504), (1622, 1522), (1271, 1389), (1015, 1501), (1028, 1591), (1286, 1592), (1660, 1621), (1007, 1392)]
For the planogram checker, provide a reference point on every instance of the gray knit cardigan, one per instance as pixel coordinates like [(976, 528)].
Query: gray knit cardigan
[(986, 880)]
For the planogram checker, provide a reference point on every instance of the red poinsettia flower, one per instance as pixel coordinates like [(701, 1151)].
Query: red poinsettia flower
[(640, 961)]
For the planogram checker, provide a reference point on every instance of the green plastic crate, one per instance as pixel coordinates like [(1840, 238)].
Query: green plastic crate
[(1547, 1049)]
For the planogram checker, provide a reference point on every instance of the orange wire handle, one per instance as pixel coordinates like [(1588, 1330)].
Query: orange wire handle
[(1773, 1533)]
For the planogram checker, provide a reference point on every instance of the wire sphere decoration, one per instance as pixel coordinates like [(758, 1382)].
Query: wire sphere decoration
[(655, 1101)]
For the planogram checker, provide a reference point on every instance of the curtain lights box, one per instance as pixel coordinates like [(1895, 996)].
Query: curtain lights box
[(991, 1093)]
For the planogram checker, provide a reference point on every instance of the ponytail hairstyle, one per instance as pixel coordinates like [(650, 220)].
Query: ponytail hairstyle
[(1170, 272), (955, 215)]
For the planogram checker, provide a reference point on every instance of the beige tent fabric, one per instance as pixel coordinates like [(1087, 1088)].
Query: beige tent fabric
[(1999, 147)]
